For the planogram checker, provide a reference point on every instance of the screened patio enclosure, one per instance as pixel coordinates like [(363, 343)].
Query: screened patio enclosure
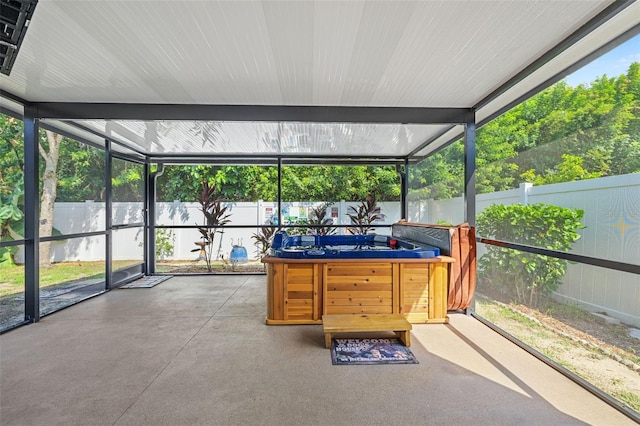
[(154, 84)]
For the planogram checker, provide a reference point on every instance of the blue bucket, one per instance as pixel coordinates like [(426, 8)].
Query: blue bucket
[(239, 255)]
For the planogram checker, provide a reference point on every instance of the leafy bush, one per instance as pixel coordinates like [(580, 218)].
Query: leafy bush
[(527, 276), (11, 225), (165, 238)]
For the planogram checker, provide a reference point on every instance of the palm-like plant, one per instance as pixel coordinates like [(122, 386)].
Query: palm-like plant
[(215, 216), (263, 240), (317, 217), (363, 216)]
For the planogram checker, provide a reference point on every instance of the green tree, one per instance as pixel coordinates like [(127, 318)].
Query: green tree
[(563, 133), (49, 150), (439, 176), (11, 184), (11, 156), (80, 172), (306, 183), (569, 170)]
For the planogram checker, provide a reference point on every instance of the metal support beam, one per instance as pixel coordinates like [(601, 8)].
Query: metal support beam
[(279, 193), (149, 234), (31, 217), (150, 218), (108, 205), (470, 173), (272, 113), (403, 172), (470, 184)]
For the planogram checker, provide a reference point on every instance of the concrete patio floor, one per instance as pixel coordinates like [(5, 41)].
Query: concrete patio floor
[(196, 351)]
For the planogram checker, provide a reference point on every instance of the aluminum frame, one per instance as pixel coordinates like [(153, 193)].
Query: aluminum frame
[(31, 218), (108, 203)]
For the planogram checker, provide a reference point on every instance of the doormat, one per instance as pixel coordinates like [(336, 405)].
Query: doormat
[(147, 282), (370, 352)]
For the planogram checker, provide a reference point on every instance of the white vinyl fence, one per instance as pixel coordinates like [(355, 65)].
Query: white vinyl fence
[(612, 218), (71, 218)]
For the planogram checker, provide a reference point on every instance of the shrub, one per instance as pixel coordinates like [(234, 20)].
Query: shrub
[(11, 225), (165, 238), (527, 276), (362, 218)]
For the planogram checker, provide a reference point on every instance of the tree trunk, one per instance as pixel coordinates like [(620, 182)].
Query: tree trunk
[(49, 192)]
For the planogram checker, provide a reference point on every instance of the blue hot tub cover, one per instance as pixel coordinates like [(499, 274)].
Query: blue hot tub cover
[(348, 247)]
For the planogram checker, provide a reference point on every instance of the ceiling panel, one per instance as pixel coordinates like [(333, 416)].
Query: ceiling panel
[(267, 138), (372, 53)]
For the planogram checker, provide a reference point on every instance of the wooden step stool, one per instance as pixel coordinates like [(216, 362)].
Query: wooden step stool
[(332, 324)]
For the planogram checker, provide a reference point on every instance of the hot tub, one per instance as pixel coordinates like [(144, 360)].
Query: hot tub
[(311, 276), (348, 247)]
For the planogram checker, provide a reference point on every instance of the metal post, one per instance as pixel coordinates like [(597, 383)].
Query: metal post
[(403, 172), (279, 193), (31, 217), (150, 217), (108, 206), (470, 173), (149, 237), (470, 183)]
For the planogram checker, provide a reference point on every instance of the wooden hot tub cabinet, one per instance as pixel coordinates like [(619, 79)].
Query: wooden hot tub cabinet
[(300, 291)]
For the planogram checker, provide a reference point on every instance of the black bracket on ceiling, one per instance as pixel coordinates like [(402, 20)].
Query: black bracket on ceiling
[(15, 16)]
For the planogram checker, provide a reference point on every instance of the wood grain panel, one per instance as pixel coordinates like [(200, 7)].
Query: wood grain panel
[(292, 303), (278, 292), (438, 300), (298, 288), (359, 288), (301, 268), (419, 299), (359, 309), (366, 269), (361, 294), (359, 279), (414, 300), (300, 295), (415, 317), (333, 286), (361, 301), (422, 309)]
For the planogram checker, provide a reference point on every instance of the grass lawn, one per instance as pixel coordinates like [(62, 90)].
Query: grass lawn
[(592, 360), (12, 280)]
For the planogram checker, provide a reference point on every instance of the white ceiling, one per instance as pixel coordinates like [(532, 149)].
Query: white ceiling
[(303, 53)]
